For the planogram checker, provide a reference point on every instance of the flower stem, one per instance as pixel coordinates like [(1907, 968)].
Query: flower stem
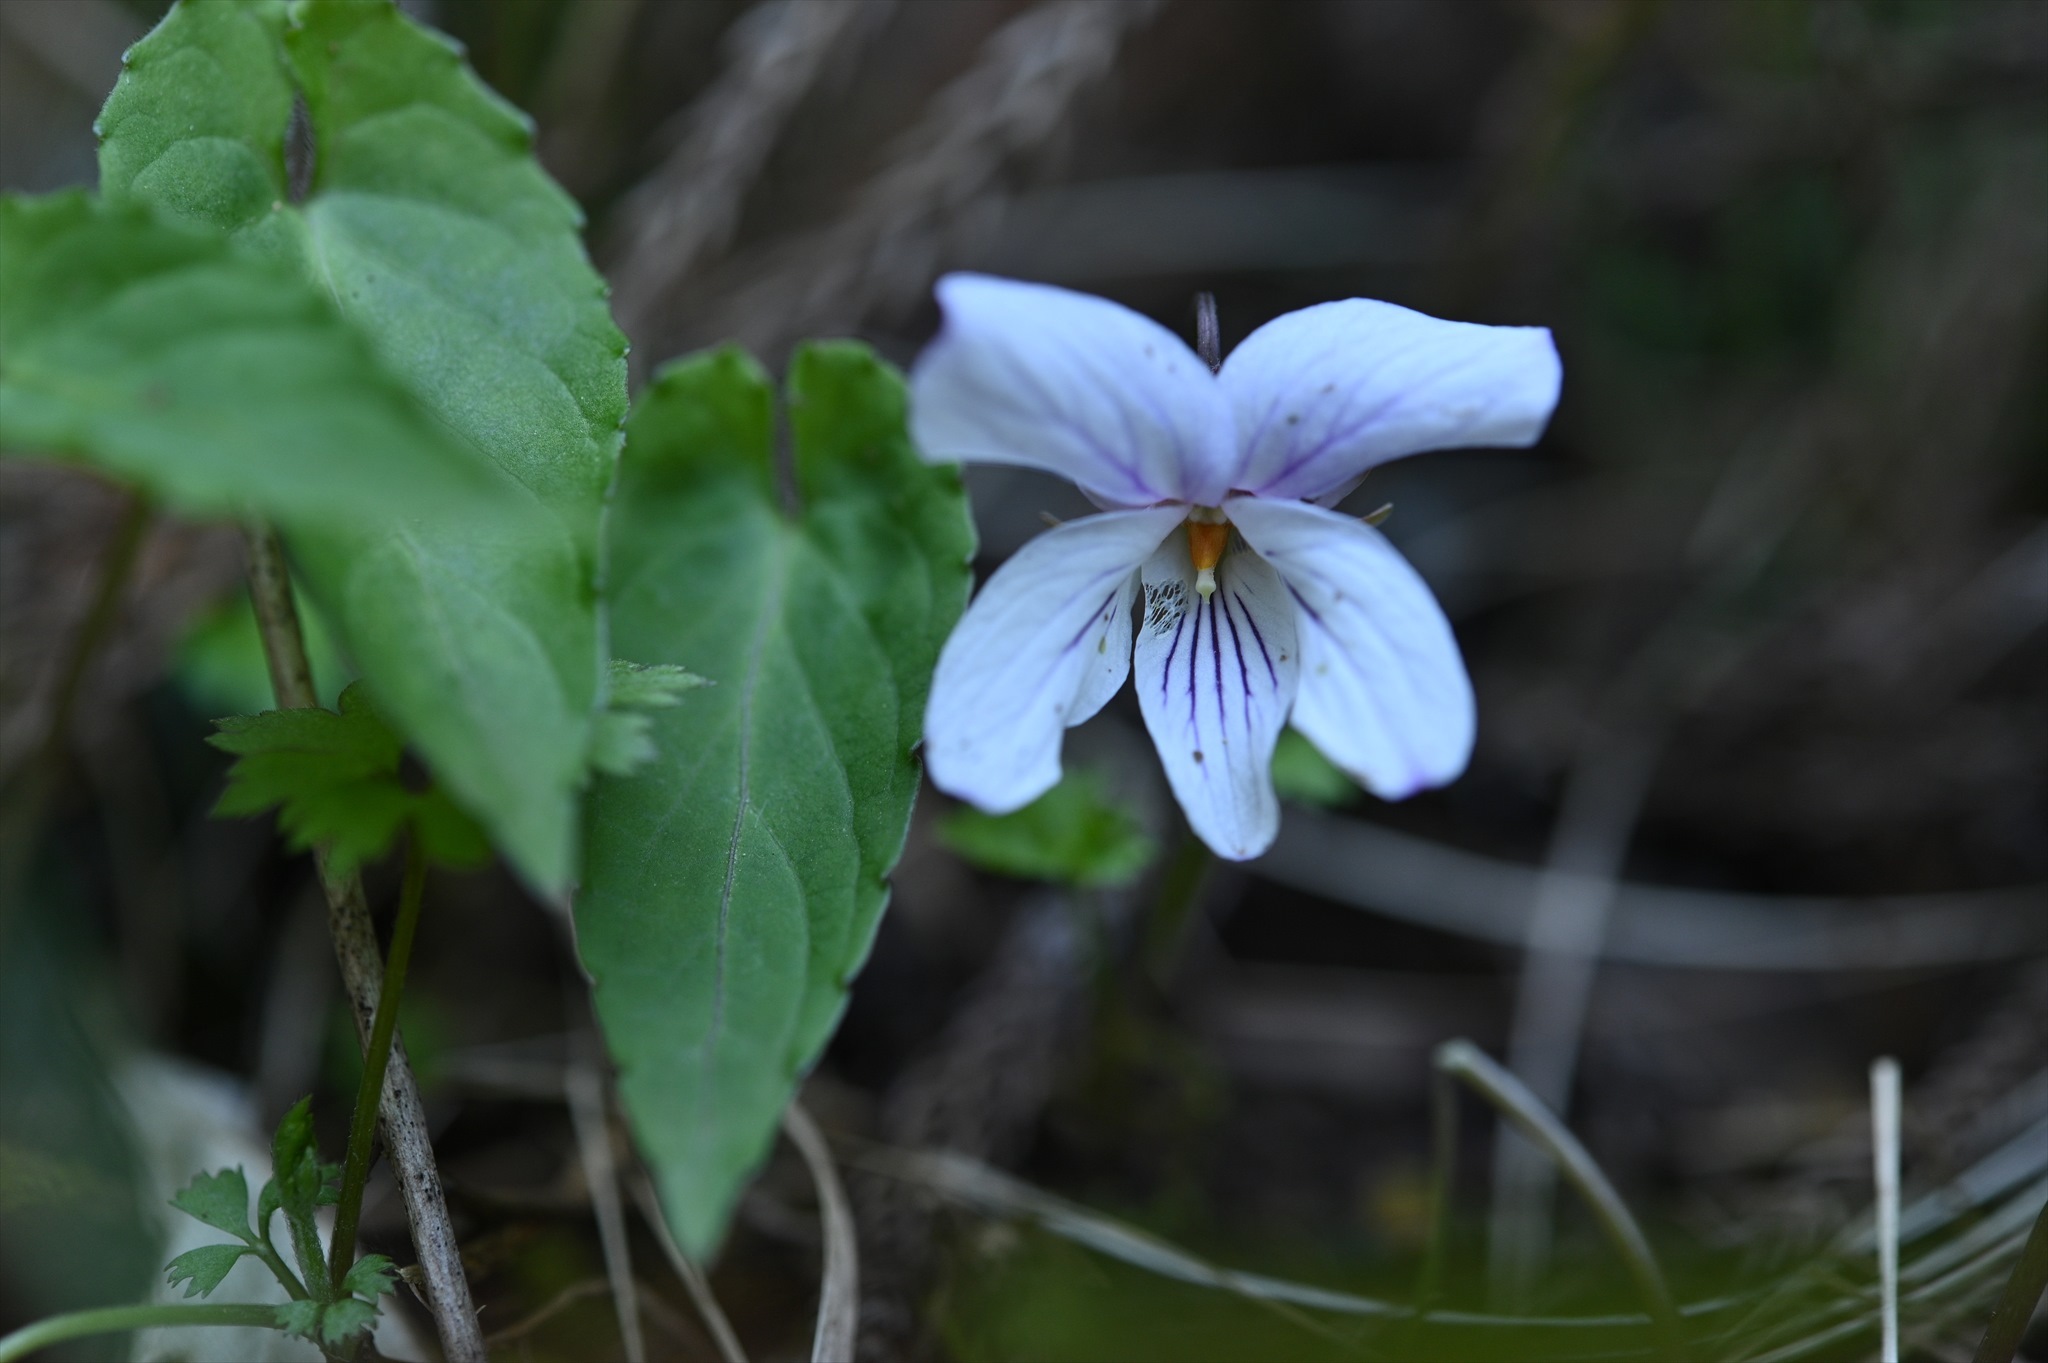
[(1513, 1100), (362, 1130), (362, 972), (107, 1320)]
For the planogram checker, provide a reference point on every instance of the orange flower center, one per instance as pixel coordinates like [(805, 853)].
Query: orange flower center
[(1206, 542)]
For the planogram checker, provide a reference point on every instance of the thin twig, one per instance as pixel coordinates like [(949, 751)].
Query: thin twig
[(944, 178), (2020, 1299), (1884, 1153), (1541, 1126), (362, 972), (23, 802), (685, 211), (376, 1061), (583, 1086), (839, 1294), (693, 1278)]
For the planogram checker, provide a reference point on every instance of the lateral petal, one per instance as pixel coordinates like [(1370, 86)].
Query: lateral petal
[(1077, 385), (1215, 679), (1322, 395), (1044, 645), (1384, 692)]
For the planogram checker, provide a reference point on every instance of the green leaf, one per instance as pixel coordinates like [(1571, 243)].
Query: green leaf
[(344, 1318), (202, 1269), (196, 124), (370, 1277), (732, 888), (336, 781), (1306, 777), (623, 741), (432, 227), (164, 357), (220, 1200), (1074, 834), (300, 1318)]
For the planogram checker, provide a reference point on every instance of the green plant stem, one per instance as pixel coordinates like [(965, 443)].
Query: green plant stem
[(107, 1320), (2022, 1294), (362, 1130), (1512, 1099), (279, 1269), (1443, 1159), (1180, 890), (362, 971)]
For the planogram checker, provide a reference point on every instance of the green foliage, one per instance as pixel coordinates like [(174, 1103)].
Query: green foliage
[(220, 1200), (335, 779), (434, 231), (302, 1180), (201, 1270), (302, 1184), (623, 741), (165, 357), (1074, 834), (731, 890), (370, 1277), (1304, 776)]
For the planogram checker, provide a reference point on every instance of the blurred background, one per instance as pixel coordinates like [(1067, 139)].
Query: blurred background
[(1761, 790)]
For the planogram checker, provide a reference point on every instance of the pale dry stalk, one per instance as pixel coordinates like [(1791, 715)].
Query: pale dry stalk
[(944, 180), (685, 211)]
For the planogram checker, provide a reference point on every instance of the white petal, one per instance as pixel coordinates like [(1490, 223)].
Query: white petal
[(1044, 645), (1323, 394), (1083, 387), (1215, 679), (1383, 690)]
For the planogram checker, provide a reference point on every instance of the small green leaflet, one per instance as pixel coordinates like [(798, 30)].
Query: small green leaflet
[(624, 738), (731, 888), (336, 781), (331, 1323), (220, 1200), (432, 228), (370, 1277), (1074, 834), (201, 1270)]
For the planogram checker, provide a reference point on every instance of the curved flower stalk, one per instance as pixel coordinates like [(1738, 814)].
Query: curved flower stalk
[(1260, 604)]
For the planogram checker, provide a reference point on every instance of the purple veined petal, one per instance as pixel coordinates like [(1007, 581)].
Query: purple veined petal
[(1383, 693), (1044, 645), (1215, 679), (1322, 395), (1080, 386)]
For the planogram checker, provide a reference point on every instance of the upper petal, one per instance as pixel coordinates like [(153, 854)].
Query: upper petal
[(1044, 645), (1215, 679), (1080, 386), (1383, 690), (1323, 394)]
